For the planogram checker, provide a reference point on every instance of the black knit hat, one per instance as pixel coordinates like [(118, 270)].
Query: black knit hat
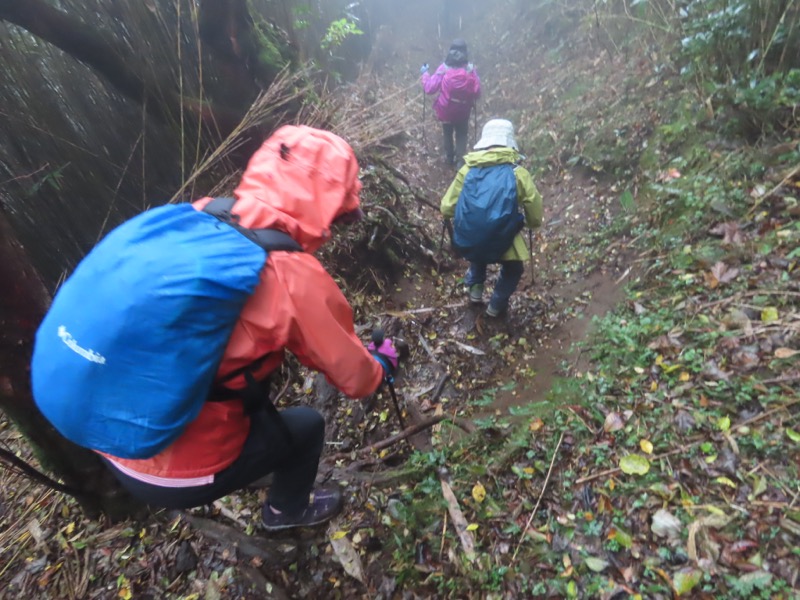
[(457, 55)]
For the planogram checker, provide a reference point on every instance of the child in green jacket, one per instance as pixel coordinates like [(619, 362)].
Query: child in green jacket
[(497, 146)]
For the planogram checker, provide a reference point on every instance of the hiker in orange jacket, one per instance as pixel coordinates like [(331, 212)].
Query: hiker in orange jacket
[(301, 181)]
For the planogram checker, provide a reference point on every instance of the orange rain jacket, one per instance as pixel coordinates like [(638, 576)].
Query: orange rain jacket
[(297, 306)]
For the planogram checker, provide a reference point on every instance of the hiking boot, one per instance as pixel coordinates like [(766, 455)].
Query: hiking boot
[(492, 311), (476, 293), (325, 504)]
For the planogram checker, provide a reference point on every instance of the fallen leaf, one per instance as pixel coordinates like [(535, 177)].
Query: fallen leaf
[(665, 524), (634, 464), (646, 446), (785, 352), (684, 581), (725, 481), (479, 492), (729, 231), (723, 273), (621, 537), (536, 424), (769, 314), (346, 553), (613, 422), (793, 435), (596, 564)]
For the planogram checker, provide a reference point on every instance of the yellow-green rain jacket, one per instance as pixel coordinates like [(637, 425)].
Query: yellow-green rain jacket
[(528, 197)]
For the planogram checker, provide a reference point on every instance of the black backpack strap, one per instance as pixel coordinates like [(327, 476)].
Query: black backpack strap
[(268, 239), (255, 394)]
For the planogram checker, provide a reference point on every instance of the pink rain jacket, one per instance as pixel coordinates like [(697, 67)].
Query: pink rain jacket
[(458, 88)]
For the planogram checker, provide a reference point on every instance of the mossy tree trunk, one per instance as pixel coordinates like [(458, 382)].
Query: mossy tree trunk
[(225, 27), (22, 307)]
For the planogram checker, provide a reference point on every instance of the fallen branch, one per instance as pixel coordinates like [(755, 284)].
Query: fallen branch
[(439, 387), (541, 494), (783, 182), (398, 437), (459, 521), (416, 311), (746, 294)]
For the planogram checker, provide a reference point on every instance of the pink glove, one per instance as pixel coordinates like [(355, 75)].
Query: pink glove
[(387, 352)]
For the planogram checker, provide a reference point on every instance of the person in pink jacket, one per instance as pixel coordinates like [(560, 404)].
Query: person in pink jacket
[(457, 86)]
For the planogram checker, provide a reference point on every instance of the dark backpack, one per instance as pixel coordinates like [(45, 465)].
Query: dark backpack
[(487, 215), (127, 353)]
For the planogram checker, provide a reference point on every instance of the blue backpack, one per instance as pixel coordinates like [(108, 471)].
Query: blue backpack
[(487, 216), (125, 356)]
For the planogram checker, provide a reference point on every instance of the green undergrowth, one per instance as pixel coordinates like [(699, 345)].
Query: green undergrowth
[(677, 451), (677, 471)]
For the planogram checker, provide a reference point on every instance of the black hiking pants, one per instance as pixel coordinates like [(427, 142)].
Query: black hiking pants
[(455, 141), (266, 450)]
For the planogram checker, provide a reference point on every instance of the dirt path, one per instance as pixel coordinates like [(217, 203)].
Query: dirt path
[(572, 279)]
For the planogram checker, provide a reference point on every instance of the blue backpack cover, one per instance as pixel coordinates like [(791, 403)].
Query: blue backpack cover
[(125, 357), (487, 216)]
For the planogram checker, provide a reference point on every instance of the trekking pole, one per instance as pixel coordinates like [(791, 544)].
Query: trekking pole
[(441, 238), (377, 339), (424, 138), (475, 123), (530, 250)]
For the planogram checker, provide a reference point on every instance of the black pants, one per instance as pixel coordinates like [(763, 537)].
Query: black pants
[(454, 150), (265, 451)]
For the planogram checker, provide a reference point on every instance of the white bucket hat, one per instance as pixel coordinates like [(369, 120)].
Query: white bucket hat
[(497, 132)]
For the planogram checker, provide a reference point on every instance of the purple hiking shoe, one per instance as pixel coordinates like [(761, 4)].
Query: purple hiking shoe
[(326, 503)]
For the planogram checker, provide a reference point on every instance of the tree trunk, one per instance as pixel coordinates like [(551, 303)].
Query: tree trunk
[(114, 62), (22, 306), (226, 28)]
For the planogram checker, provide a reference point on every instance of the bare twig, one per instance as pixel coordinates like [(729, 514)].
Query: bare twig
[(746, 294), (390, 441), (783, 182), (541, 494), (439, 387)]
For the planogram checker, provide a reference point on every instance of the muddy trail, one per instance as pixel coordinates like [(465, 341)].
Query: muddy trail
[(573, 277), (462, 363)]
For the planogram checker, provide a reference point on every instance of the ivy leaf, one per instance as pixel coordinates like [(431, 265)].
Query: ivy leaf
[(634, 464)]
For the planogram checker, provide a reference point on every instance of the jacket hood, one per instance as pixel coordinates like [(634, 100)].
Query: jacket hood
[(456, 57), (492, 156), (299, 181)]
